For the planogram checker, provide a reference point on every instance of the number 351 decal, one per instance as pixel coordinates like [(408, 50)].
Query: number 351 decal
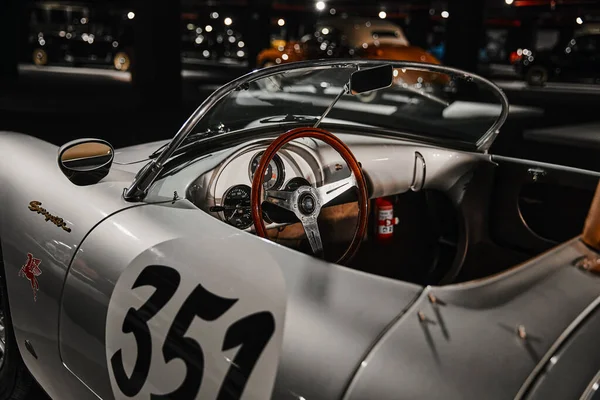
[(250, 333)]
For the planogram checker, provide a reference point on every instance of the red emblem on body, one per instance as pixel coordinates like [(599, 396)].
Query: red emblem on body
[(31, 270)]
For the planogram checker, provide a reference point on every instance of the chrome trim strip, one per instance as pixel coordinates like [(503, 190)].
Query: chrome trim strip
[(592, 387), (422, 176), (80, 380), (554, 348)]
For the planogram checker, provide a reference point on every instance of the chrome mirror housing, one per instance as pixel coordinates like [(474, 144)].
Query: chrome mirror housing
[(85, 161)]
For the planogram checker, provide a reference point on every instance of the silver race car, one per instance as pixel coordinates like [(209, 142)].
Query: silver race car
[(294, 242)]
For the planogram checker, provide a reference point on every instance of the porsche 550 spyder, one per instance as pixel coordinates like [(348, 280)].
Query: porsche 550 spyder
[(294, 243)]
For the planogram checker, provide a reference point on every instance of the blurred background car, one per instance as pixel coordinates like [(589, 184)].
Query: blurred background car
[(76, 34), (577, 60), (350, 38), (70, 63), (347, 38)]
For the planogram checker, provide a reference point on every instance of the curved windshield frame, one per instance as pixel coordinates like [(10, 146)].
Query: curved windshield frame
[(148, 174)]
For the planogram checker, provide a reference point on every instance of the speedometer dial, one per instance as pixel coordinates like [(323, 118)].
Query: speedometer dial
[(236, 204), (275, 173)]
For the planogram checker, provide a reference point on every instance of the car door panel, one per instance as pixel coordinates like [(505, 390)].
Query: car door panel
[(537, 205), (208, 288)]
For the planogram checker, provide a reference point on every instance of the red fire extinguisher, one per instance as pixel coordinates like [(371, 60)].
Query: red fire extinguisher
[(385, 220)]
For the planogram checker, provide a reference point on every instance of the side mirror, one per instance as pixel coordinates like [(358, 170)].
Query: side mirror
[(85, 161), (367, 80)]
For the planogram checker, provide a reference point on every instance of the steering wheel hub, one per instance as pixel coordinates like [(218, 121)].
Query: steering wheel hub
[(307, 204)]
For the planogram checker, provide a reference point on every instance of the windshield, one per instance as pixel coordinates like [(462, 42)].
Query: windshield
[(448, 105)]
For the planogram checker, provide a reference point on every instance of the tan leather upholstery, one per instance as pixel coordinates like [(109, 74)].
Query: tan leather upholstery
[(591, 231), (337, 224)]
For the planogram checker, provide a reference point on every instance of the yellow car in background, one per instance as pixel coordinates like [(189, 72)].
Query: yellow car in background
[(347, 38)]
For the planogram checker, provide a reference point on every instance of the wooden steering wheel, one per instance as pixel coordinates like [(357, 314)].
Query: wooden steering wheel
[(306, 201)]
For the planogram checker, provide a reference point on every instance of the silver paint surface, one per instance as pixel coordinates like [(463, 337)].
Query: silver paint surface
[(573, 368), (325, 323), (346, 333), (468, 347), (29, 171)]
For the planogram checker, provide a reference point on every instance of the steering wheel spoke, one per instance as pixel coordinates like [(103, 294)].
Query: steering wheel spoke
[(311, 228), (335, 189), (281, 199), (306, 201)]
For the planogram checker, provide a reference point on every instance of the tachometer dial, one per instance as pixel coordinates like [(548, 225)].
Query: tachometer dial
[(295, 183), (275, 173), (236, 204)]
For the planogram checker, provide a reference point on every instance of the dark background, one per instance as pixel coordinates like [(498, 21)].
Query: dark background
[(61, 102)]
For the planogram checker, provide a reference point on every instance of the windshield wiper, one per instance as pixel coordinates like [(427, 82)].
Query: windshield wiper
[(217, 129), (289, 118)]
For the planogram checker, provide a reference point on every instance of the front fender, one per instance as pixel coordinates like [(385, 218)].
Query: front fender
[(50, 230), (180, 254)]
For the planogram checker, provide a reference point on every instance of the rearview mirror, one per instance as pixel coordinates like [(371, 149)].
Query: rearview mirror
[(85, 161), (367, 80)]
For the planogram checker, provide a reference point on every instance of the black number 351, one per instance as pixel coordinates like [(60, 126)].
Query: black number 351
[(252, 333)]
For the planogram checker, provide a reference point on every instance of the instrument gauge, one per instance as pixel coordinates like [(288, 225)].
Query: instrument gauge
[(275, 173), (236, 204), (295, 183)]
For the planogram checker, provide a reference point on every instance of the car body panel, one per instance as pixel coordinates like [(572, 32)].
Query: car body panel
[(564, 375), (136, 154), (467, 345), (164, 298), (30, 173), (322, 317)]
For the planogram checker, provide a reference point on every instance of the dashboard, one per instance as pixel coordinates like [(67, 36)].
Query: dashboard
[(227, 188), (391, 166), (235, 202)]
